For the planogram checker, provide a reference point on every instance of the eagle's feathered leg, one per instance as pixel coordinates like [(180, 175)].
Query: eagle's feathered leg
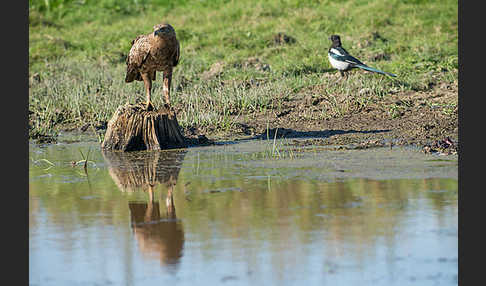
[(167, 83), (148, 88)]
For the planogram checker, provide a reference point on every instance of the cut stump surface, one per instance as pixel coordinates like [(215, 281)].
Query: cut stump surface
[(133, 128)]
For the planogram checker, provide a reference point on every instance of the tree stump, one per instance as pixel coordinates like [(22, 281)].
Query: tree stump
[(133, 128)]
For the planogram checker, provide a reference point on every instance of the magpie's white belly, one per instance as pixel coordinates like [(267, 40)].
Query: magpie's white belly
[(338, 64)]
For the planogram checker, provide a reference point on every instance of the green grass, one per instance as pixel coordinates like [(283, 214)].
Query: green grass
[(78, 50)]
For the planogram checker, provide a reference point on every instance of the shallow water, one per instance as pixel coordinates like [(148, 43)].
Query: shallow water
[(239, 214)]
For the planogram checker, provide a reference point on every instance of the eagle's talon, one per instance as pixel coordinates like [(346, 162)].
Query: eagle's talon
[(149, 106)]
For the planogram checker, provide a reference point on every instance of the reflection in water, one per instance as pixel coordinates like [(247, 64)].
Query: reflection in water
[(135, 170), (242, 219), (158, 236)]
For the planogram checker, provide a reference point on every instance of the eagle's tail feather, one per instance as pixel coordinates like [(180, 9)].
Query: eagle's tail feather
[(374, 70)]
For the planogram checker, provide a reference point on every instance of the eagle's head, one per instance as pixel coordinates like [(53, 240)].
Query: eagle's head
[(162, 30)]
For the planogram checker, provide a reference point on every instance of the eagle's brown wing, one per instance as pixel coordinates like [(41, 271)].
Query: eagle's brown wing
[(176, 55), (136, 57)]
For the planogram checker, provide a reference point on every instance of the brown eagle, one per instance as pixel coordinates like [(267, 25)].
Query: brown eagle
[(157, 51)]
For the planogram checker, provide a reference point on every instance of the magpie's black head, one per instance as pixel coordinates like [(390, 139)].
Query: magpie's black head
[(336, 40)]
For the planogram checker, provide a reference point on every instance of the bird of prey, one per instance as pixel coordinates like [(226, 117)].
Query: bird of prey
[(341, 60), (157, 51)]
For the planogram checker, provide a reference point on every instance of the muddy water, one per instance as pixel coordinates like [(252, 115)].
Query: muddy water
[(240, 214)]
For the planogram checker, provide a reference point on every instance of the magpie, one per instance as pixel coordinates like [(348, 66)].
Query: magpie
[(341, 60)]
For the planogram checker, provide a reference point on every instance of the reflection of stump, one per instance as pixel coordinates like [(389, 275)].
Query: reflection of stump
[(133, 128), (131, 171)]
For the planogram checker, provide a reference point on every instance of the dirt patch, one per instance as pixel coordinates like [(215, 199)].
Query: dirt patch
[(404, 118), (253, 62), (215, 70), (283, 39)]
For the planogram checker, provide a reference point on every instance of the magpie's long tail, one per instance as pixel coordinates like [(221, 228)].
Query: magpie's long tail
[(374, 70)]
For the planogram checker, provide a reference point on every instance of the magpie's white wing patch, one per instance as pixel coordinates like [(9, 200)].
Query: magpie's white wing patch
[(337, 64)]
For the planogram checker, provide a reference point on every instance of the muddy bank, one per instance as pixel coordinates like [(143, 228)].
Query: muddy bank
[(428, 119), (408, 118)]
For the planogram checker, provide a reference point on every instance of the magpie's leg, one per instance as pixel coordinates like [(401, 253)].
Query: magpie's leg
[(343, 75)]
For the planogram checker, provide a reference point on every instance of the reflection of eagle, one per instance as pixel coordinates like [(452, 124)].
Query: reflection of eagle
[(157, 51), (158, 235)]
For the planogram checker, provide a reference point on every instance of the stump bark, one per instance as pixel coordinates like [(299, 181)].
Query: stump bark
[(133, 128)]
